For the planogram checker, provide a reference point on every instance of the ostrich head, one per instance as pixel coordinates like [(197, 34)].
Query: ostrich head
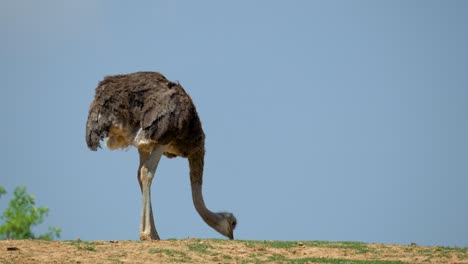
[(226, 224)]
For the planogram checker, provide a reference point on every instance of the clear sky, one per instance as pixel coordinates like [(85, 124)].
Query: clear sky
[(325, 120)]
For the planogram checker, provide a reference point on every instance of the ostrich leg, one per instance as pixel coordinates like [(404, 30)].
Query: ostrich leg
[(148, 164), (143, 157)]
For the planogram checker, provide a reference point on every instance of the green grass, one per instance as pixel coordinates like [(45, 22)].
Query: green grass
[(176, 255), (357, 247), (267, 252), (227, 257), (199, 247), (441, 252), (446, 250), (281, 259), (84, 245), (115, 257), (168, 252)]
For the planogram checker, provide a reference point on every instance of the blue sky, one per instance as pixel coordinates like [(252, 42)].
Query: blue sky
[(325, 120)]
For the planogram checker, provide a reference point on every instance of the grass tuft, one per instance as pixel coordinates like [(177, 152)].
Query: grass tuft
[(176, 255), (84, 245), (168, 252), (199, 247), (281, 259)]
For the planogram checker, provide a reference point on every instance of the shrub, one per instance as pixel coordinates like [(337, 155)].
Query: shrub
[(21, 215)]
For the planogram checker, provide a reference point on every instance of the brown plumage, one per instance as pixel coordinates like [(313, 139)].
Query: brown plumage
[(157, 116), (146, 100)]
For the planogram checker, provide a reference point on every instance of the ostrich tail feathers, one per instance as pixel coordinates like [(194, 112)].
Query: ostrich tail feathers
[(96, 128)]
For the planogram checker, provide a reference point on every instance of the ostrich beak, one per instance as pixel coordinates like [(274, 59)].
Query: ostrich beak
[(231, 235)]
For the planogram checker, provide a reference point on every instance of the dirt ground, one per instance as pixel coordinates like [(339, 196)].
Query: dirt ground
[(222, 251)]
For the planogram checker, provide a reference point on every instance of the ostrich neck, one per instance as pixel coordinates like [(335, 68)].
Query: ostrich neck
[(196, 180)]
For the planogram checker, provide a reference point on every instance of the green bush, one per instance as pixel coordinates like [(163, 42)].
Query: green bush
[(21, 215)]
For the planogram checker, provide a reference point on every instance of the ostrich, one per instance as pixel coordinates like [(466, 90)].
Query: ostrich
[(158, 117)]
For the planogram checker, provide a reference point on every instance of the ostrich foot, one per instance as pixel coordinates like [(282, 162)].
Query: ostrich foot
[(148, 237)]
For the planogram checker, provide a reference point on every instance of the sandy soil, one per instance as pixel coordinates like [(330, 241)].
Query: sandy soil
[(222, 251)]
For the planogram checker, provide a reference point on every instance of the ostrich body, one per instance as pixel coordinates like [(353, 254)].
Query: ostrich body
[(158, 117)]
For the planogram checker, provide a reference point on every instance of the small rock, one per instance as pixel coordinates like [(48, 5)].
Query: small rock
[(12, 248)]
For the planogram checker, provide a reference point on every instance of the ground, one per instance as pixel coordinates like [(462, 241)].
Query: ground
[(223, 251)]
